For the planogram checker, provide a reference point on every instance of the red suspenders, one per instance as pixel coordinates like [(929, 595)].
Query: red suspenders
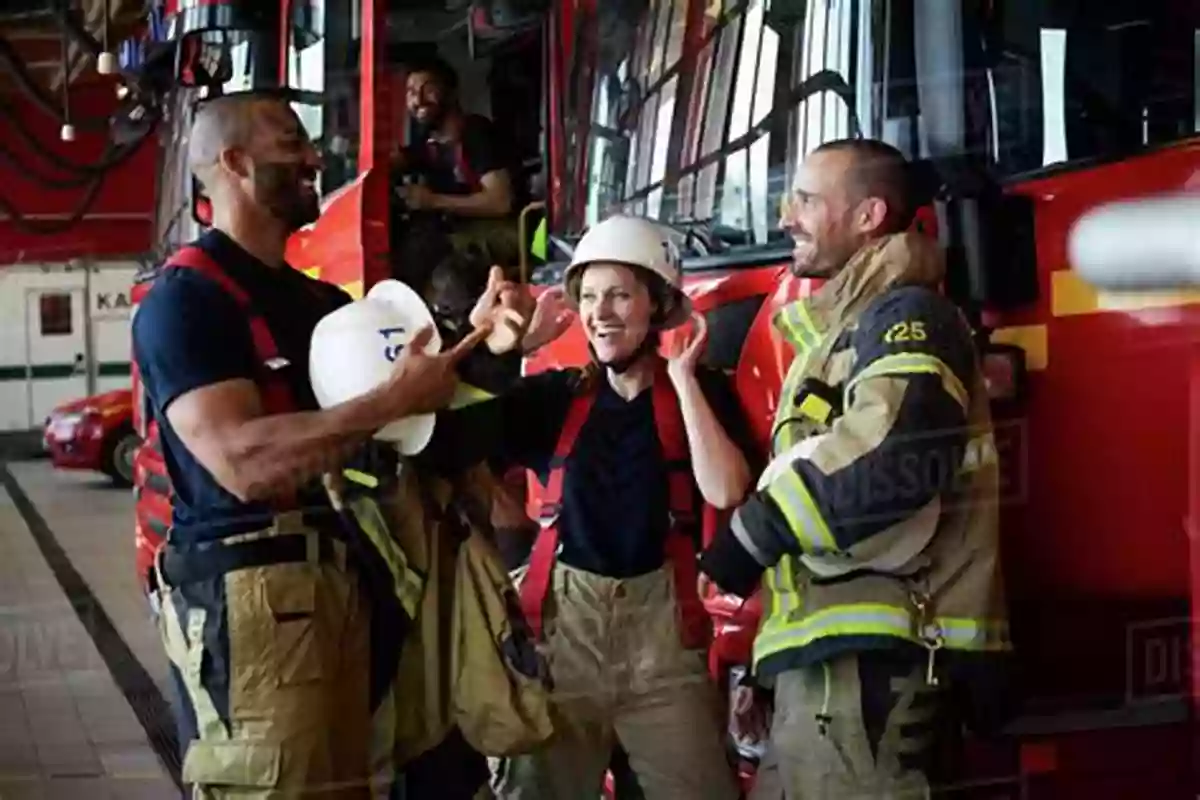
[(464, 167), (695, 624), (276, 394), (461, 165)]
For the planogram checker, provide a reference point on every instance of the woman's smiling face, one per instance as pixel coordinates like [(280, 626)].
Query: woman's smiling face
[(615, 308)]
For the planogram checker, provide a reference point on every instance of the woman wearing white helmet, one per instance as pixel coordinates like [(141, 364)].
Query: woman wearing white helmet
[(627, 448)]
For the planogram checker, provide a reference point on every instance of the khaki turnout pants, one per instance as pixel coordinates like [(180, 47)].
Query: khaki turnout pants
[(878, 734), (274, 662), (621, 674)]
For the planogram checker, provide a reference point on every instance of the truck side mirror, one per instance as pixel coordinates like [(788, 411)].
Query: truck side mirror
[(988, 235), (990, 251), (1005, 373)]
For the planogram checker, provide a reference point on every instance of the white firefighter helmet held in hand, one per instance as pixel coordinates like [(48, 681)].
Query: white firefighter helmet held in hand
[(634, 242), (354, 350)]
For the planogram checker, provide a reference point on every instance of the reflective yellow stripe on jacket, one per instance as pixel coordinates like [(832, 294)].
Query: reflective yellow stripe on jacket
[(788, 491), (874, 619), (915, 364), (408, 583), (799, 613)]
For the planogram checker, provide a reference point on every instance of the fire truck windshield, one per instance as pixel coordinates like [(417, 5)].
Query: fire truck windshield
[(323, 72), (696, 112)]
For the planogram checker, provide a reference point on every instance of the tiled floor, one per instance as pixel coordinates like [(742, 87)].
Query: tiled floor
[(93, 524), (65, 729)]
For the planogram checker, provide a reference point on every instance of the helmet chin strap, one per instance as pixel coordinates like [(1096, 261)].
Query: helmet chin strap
[(622, 365)]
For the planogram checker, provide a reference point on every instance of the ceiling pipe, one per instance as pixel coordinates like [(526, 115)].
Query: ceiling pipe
[(97, 217)]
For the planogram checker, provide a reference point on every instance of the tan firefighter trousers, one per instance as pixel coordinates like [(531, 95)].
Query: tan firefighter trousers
[(857, 726), (275, 663), (621, 674)]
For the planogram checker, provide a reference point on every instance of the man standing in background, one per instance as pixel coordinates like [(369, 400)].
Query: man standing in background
[(459, 165)]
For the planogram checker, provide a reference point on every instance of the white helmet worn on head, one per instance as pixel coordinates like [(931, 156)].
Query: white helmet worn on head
[(634, 242), (354, 349)]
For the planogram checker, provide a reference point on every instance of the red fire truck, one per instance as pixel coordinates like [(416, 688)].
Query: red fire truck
[(1023, 115)]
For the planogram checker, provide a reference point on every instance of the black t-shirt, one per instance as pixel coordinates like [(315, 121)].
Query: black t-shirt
[(457, 167), (614, 517), (188, 333)]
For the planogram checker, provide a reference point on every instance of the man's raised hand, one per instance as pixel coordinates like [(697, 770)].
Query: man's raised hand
[(507, 307), (422, 382)]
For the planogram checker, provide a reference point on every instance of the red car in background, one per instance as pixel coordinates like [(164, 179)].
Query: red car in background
[(94, 433)]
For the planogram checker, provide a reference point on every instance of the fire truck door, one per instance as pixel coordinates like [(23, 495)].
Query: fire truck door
[(55, 349)]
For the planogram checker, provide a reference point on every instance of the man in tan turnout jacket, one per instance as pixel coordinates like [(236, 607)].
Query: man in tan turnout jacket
[(874, 529)]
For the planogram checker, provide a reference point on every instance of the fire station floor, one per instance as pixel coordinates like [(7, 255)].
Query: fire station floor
[(82, 675)]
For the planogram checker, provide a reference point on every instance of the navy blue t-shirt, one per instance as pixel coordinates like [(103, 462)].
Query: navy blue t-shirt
[(189, 333), (456, 167), (615, 514)]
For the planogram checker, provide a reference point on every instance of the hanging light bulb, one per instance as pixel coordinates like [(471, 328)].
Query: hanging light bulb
[(67, 134), (106, 62)]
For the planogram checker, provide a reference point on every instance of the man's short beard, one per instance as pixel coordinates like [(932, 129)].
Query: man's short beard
[(433, 122), (278, 190)]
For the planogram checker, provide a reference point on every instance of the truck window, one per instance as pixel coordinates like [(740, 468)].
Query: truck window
[(708, 135), (1082, 81), (323, 71), (322, 74), (704, 125)]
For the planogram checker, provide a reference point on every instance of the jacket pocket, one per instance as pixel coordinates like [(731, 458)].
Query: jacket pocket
[(233, 764)]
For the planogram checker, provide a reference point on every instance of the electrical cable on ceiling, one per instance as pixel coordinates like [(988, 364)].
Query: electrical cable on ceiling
[(68, 130), (114, 156), (90, 175), (49, 227), (43, 227), (29, 87), (17, 125)]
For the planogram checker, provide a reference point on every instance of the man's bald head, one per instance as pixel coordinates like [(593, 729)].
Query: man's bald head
[(218, 125), (252, 154)]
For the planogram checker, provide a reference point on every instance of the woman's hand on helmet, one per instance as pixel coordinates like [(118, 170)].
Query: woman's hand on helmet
[(424, 382), (506, 308), (684, 353), (552, 316)]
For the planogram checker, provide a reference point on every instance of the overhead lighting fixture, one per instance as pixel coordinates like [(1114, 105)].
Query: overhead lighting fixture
[(106, 62)]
